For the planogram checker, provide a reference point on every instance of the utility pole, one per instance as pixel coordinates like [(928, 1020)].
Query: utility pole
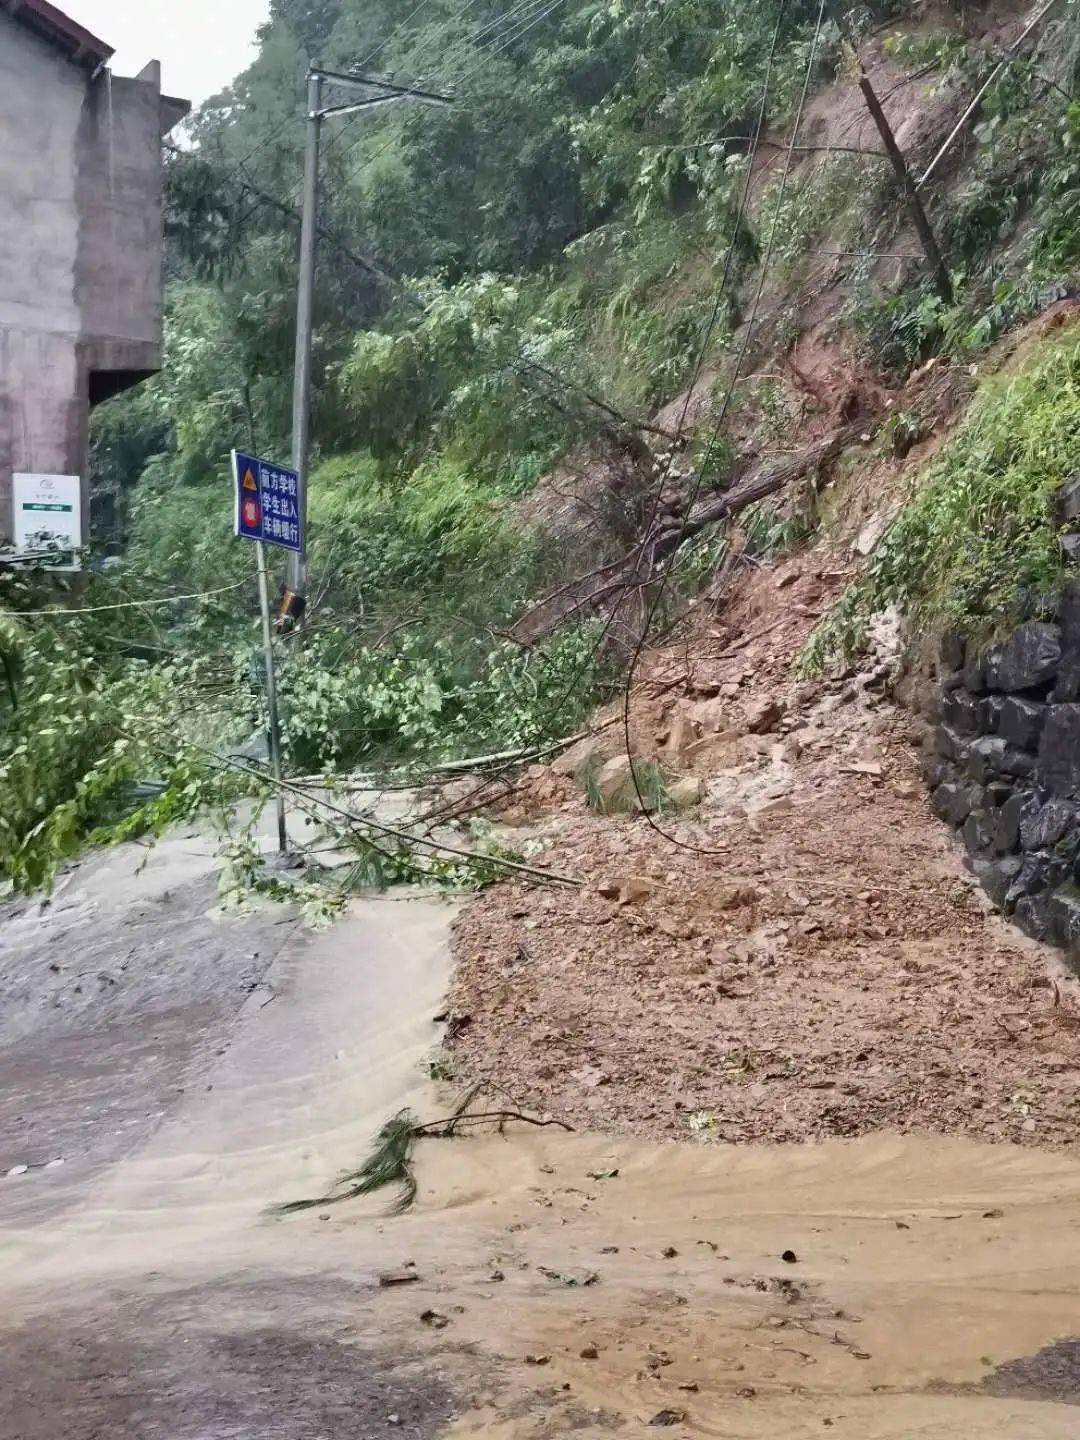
[(271, 700), (296, 565), (919, 217), (295, 592)]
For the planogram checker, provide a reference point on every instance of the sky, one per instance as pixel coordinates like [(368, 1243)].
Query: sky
[(201, 44)]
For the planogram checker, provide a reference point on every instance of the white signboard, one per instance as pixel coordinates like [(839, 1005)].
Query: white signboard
[(48, 513)]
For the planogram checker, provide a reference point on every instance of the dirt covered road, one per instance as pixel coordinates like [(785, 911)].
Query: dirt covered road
[(801, 956)]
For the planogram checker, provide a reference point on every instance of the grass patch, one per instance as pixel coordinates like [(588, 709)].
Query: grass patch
[(976, 548)]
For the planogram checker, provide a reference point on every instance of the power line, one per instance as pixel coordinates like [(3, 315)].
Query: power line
[(367, 59), (63, 614), (715, 435)]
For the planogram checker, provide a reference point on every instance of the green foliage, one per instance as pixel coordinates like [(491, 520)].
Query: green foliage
[(389, 1164), (977, 546), (927, 49), (433, 696)]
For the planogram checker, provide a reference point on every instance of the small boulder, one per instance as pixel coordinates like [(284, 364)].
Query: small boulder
[(997, 877), (1063, 913), (1032, 914), (615, 790), (952, 802), (960, 710), (684, 794), (1044, 825), (585, 757), (763, 716), (986, 757), (979, 832)]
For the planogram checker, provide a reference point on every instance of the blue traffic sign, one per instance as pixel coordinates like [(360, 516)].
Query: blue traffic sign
[(267, 504)]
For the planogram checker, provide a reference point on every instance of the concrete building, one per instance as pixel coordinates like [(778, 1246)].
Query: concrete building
[(80, 238)]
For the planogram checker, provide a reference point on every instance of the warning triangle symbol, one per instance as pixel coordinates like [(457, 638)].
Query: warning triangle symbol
[(248, 481)]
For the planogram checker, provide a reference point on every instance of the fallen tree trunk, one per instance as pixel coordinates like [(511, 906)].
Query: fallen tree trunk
[(769, 477)]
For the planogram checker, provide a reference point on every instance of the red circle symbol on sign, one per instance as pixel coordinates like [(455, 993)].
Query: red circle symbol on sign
[(250, 512)]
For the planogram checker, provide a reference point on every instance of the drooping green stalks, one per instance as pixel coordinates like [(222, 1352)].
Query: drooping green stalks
[(390, 1163)]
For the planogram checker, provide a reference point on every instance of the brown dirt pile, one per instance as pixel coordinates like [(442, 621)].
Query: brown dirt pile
[(828, 969)]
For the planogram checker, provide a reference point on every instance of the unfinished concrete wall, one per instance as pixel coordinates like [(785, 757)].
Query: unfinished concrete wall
[(80, 249)]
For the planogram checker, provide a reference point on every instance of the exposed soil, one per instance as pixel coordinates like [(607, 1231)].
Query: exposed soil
[(825, 968)]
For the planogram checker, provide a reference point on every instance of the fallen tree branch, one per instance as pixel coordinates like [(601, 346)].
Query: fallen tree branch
[(390, 1161), (361, 823), (767, 479), (444, 1129)]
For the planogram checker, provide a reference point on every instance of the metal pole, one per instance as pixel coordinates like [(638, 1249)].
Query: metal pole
[(271, 695), (296, 568)]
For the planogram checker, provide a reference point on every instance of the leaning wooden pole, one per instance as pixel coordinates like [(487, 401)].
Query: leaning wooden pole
[(911, 194)]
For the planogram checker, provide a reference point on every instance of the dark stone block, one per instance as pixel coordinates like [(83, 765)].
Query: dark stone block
[(1059, 750), (1015, 761), (990, 757), (1040, 872), (948, 742), (960, 710), (998, 791), (1063, 914), (990, 714), (1007, 824), (996, 877), (953, 802), (1067, 685), (953, 681), (1070, 547), (1068, 617), (1032, 914), (974, 671), (936, 770), (1019, 721), (1045, 825), (979, 831), (1029, 657)]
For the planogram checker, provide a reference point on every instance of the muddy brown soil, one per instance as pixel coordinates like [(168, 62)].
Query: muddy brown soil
[(804, 956)]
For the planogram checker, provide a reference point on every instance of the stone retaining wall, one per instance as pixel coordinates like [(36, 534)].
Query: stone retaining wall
[(1003, 763)]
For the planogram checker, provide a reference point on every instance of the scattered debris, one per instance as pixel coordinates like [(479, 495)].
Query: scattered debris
[(669, 1417), (587, 1277), (537, 1359), (435, 1319), (397, 1277), (590, 1352), (789, 1257)]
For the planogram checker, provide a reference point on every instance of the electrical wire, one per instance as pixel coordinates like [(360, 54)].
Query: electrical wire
[(638, 551), (367, 59), (64, 614), (714, 437)]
